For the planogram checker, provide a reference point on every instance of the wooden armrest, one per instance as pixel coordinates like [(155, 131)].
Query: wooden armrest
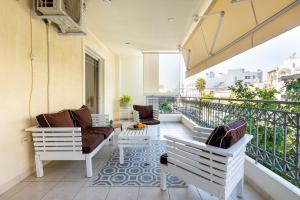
[(155, 114), (36, 129), (136, 116), (100, 120), (230, 152), (202, 129)]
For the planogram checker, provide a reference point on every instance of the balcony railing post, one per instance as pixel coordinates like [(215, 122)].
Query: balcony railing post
[(298, 150)]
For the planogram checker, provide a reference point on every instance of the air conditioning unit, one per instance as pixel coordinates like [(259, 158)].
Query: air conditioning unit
[(66, 14)]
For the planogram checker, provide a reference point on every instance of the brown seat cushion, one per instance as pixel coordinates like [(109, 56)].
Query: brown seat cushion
[(227, 135), (105, 131), (82, 117), (60, 119), (90, 142), (150, 121), (144, 111)]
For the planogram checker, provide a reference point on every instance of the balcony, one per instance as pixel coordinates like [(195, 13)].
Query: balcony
[(273, 124), (84, 55)]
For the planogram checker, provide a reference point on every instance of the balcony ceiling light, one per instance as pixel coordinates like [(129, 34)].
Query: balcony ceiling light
[(171, 19), (108, 2)]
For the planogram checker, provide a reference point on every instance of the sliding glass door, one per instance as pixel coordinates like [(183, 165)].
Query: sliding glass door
[(92, 87)]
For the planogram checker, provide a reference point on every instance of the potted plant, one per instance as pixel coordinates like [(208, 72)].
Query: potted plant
[(125, 100)]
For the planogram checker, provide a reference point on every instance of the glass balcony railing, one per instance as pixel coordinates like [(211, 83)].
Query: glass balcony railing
[(275, 126)]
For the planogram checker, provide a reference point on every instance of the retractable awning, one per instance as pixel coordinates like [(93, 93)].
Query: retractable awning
[(230, 27)]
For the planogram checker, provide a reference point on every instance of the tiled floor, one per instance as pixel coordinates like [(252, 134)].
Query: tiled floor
[(66, 180)]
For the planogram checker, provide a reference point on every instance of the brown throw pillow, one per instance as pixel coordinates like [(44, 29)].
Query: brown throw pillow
[(82, 117), (227, 135), (144, 111), (60, 119)]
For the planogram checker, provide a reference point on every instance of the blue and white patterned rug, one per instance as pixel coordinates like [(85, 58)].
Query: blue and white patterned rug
[(135, 171)]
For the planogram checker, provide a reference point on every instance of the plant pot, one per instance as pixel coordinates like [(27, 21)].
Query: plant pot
[(124, 104)]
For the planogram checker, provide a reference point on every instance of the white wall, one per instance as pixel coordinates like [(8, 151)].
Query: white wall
[(269, 184), (24, 84), (131, 78)]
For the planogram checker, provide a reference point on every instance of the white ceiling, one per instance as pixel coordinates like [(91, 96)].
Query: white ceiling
[(143, 23)]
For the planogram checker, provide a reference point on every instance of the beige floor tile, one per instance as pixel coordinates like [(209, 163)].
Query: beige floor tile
[(62, 164), (123, 193), (250, 194), (105, 152), (206, 196), (50, 174), (92, 193), (34, 191), (189, 193), (151, 193), (76, 174), (13, 190), (64, 191)]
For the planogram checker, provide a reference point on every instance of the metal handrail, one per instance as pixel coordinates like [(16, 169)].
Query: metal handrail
[(276, 132)]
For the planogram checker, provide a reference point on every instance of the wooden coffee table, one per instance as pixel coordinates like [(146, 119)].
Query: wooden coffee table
[(134, 138)]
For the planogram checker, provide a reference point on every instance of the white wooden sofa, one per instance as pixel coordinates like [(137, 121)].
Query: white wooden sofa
[(65, 144), (215, 170)]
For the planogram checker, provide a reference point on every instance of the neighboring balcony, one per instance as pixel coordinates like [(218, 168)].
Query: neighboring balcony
[(275, 126)]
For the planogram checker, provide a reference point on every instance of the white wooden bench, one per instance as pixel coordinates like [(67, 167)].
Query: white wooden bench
[(65, 144), (215, 170)]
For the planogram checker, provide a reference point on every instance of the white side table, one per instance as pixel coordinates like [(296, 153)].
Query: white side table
[(134, 138), (126, 110)]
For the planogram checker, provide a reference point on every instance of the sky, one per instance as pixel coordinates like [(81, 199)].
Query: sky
[(264, 56)]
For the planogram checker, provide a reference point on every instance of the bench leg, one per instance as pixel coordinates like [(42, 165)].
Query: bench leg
[(39, 166), (163, 180), (121, 155), (114, 139), (89, 167), (240, 189)]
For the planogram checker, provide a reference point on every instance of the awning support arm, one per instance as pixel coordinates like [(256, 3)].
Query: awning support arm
[(216, 33), (259, 26)]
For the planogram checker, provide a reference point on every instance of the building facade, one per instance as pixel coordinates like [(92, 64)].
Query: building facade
[(287, 71), (219, 83)]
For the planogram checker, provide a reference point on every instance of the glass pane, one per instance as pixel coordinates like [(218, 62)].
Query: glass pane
[(169, 73), (92, 83)]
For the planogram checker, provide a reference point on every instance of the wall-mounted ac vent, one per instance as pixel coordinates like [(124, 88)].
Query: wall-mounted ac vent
[(66, 14)]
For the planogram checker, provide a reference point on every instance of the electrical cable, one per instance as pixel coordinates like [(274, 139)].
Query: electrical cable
[(48, 64), (31, 68)]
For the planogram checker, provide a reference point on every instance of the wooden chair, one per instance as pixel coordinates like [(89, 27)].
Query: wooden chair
[(215, 170), (151, 120)]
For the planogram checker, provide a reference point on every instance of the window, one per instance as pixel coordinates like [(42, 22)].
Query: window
[(253, 76), (169, 73), (162, 73), (91, 83), (247, 77), (94, 86)]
